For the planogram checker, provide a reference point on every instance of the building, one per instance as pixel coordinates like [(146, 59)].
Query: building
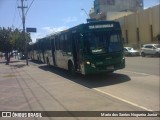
[(112, 9), (139, 26)]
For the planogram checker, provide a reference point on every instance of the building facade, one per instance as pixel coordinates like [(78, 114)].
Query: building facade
[(110, 9), (141, 27)]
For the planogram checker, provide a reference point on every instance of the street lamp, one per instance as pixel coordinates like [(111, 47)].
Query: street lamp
[(85, 12)]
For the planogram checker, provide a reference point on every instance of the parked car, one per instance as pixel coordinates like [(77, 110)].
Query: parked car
[(129, 51), (150, 49)]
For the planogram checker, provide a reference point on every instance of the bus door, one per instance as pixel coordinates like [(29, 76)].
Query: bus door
[(53, 50), (76, 45)]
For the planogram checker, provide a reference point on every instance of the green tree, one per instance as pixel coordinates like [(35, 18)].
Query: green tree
[(5, 42), (12, 40)]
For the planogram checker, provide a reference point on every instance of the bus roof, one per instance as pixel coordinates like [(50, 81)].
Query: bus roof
[(87, 27)]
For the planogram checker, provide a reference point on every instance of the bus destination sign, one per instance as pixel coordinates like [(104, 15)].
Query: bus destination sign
[(101, 26)]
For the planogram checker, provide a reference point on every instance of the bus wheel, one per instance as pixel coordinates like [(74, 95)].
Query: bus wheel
[(71, 68)]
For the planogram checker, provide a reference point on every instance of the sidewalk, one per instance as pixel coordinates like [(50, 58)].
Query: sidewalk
[(12, 92), (23, 88)]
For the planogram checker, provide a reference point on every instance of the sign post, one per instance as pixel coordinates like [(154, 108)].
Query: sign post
[(29, 30)]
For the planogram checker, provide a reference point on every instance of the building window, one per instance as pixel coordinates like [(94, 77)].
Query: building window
[(151, 30), (106, 2), (138, 40), (111, 2), (139, 3), (97, 11), (126, 36)]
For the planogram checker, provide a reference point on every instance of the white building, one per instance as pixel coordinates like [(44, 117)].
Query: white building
[(113, 9)]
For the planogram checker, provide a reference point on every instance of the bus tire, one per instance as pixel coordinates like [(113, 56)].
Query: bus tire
[(71, 68)]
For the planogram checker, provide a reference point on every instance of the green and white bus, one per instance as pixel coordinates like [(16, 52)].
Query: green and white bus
[(89, 48)]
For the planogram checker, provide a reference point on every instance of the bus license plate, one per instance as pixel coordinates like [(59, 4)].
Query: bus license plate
[(110, 68)]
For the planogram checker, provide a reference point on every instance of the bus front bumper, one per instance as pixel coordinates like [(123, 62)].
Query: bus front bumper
[(92, 69)]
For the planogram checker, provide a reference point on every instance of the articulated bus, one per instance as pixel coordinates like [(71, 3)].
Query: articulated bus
[(89, 48)]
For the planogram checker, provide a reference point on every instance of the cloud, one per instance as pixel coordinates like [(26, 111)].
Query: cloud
[(46, 31), (36, 36), (70, 19), (50, 30)]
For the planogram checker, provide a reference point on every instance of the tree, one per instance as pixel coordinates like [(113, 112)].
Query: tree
[(5, 43), (12, 40)]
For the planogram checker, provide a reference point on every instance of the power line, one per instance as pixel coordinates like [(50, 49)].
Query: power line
[(14, 14), (29, 7), (19, 15), (19, 11)]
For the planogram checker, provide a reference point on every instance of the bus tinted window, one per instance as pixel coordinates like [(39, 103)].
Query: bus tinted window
[(101, 42), (114, 43), (69, 44)]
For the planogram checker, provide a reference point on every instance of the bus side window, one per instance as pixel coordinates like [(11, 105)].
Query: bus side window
[(86, 44), (61, 42), (49, 44), (57, 42), (69, 45), (65, 43), (63, 39), (52, 44)]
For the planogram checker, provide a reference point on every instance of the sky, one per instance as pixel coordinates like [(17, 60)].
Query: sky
[(49, 16)]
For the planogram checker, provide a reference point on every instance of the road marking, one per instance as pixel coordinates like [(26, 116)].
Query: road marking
[(136, 72), (126, 101)]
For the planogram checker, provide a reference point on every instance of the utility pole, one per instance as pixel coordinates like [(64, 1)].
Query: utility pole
[(85, 12), (23, 22)]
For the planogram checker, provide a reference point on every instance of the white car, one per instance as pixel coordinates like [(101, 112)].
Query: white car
[(129, 51), (150, 49)]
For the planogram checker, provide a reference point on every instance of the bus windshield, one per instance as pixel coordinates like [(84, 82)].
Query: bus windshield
[(102, 42)]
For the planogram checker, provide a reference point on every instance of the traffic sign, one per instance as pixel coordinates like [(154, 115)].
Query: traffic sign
[(31, 29)]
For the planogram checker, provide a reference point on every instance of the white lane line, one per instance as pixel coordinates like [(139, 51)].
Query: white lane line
[(136, 72), (126, 101)]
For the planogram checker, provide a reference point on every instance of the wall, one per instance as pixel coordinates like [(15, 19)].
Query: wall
[(145, 24)]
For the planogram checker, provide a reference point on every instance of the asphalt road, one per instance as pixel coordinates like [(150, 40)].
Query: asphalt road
[(140, 83), (148, 65)]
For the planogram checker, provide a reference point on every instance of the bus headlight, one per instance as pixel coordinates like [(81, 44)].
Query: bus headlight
[(123, 60), (88, 63)]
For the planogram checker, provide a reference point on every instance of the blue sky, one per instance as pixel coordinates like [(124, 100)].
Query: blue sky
[(49, 15)]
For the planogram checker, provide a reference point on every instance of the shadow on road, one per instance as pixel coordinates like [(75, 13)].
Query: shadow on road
[(15, 61), (18, 65), (36, 61), (90, 81)]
